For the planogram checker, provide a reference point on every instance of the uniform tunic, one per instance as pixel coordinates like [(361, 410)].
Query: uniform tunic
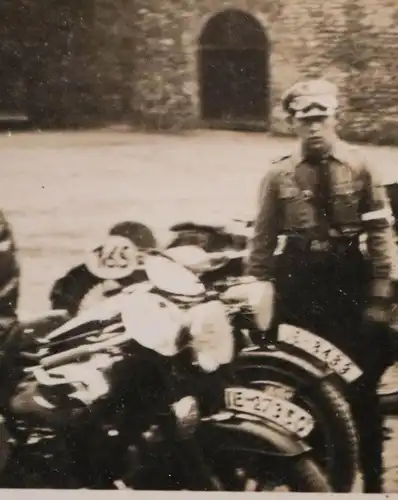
[(358, 204)]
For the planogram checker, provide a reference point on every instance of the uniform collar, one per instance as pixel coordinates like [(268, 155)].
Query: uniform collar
[(339, 152)]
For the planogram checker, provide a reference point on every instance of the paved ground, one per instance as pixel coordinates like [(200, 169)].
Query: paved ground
[(63, 191)]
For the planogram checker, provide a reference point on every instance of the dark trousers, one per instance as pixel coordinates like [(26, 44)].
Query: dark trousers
[(327, 294)]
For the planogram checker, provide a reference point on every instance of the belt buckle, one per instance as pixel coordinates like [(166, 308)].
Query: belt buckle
[(319, 246)]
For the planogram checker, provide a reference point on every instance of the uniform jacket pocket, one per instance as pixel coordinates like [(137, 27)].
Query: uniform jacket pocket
[(346, 208)]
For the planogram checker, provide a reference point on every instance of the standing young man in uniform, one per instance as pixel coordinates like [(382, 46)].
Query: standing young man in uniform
[(322, 196)]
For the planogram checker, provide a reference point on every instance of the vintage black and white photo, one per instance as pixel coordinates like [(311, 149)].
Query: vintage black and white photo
[(198, 245)]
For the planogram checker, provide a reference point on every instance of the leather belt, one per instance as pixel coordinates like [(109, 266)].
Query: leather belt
[(339, 246)]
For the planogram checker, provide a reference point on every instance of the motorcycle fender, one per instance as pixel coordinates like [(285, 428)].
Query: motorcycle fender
[(305, 370), (266, 439), (312, 347)]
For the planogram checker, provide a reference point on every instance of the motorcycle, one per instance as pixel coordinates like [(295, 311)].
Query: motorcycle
[(143, 399), (305, 351), (273, 371)]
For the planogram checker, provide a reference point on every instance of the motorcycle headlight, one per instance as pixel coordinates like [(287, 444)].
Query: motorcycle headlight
[(212, 335), (154, 322)]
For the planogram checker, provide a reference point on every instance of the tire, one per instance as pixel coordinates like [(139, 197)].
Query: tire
[(272, 459), (334, 440), (308, 477), (302, 475)]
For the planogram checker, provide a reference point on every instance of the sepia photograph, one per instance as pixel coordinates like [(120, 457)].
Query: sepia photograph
[(199, 246)]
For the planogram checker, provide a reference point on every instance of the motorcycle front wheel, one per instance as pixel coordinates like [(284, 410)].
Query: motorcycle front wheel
[(334, 438), (241, 470), (235, 456), (242, 458)]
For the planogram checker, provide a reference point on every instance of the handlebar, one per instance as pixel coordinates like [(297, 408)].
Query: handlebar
[(227, 255), (82, 351), (233, 305), (237, 304)]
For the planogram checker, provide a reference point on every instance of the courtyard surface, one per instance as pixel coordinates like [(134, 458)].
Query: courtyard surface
[(62, 191)]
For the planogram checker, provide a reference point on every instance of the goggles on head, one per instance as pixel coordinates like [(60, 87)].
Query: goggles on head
[(313, 106)]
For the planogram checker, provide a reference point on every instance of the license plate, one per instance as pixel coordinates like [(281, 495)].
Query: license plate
[(259, 404), (321, 349)]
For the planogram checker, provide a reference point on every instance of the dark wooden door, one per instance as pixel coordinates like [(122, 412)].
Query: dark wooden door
[(233, 69)]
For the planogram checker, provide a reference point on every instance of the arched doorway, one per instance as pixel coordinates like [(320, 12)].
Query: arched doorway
[(233, 71)]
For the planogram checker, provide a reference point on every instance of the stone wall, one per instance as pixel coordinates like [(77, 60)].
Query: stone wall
[(136, 60), (46, 43), (162, 79), (354, 43), (370, 55), (12, 52)]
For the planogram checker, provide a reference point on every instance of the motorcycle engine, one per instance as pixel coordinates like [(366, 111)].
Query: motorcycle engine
[(62, 394)]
